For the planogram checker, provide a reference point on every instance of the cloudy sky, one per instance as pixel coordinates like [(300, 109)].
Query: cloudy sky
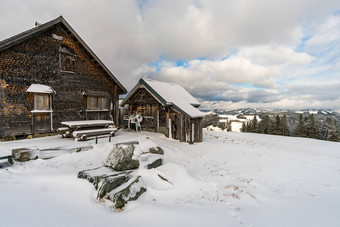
[(227, 53)]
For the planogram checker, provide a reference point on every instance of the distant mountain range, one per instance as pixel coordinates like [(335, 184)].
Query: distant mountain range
[(258, 111), (245, 114)]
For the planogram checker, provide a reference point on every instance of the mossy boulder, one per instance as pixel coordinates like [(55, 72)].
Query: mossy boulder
[(117, 183), (117, 187), (97, 175), (131, 191), (121, 158), (155, 164), (111, 183)]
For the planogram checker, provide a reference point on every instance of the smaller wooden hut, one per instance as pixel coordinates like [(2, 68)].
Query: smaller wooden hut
[(167, 108)]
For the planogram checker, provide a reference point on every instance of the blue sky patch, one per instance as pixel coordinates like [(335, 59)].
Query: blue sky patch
[(248, 86)]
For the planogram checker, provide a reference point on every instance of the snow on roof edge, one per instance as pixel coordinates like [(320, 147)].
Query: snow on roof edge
[(191, 99), (175, 95), (40, 88)]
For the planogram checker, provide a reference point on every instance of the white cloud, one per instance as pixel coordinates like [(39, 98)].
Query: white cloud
[(233, 70), (328, 32), (275, 55), (260, 66), (260, 38)]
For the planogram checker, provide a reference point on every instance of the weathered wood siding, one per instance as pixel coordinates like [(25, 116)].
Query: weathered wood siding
[(198, 130), (181, 126), (144, 103), (38, 60)]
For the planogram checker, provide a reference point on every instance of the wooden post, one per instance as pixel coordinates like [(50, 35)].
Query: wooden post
[(186, 129), (116, 108), (51, 113), (201, 130), (157, 116), (190, 132), (181, 129), (193, 132), (170, 134), (167, 118)]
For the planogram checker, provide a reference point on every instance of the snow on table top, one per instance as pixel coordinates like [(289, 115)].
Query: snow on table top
[(40, 88), (86, 123)]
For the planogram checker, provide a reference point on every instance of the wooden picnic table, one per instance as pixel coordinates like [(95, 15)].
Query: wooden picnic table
[(80, 130)]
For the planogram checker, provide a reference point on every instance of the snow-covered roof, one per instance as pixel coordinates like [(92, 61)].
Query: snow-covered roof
[(40, 88), (170, 94), (171, 91)]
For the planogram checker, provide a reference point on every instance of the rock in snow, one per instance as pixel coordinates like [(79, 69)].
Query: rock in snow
[(126, 192), (156, 150), (117, 183), (25, 154), (121, 157), (155, 164), (97, 175)]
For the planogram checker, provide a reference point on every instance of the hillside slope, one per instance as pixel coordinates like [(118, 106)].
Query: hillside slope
[(230, 179)]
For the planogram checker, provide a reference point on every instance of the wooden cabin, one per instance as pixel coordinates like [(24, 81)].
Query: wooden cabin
[(48, 75), (166, 108)]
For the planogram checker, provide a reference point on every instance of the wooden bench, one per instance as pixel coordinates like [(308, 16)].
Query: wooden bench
[(62, 129), (82, 135)]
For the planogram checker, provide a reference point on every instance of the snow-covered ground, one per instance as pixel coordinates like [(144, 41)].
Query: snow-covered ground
[(230, 179)]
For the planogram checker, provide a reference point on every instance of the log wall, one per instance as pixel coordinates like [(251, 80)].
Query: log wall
[(39, 60)]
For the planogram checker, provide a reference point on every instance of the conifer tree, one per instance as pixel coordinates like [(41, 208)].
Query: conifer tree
[(311, 128), (222, 125), (333, 132), (337, 133), (278, 126), (254, 126), (300, 130), (228, 126), (271, 126), (244, 127), (323, 134), (262, 124), (248, 126), (285, 126)]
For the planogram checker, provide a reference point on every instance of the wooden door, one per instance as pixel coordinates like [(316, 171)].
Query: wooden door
[(42, 122), (175, 125)]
